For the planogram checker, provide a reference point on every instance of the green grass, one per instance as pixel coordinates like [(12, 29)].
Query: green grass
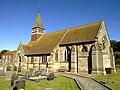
[(22, 73), (59, 83), (4, 85), (113, 80)]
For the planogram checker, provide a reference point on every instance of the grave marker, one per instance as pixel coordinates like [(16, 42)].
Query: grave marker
[(8, 73), (38, 73)]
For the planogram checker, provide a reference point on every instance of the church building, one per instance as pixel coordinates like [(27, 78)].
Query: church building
[(82, 49)]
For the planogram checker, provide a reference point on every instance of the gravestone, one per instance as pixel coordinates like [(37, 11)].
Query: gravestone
[(13, 79), (38, 73), (15, 68), (28, 74), (2, 73), (8, 68), (8, 73), (50, 76), (19, 84), (19, 69)]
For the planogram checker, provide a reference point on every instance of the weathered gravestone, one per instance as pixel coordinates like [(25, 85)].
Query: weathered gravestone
[(38, 73), (19, 69), (15, 68), (28, 74), (14, 78), (2, 73), (8, 68), (50, 76), (19, 84), (8, 73)]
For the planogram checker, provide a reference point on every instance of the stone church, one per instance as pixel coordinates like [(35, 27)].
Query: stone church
[(82, 49)]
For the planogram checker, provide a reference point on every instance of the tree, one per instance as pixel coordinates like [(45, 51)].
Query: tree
[(2, 52), (115, 45), (116, 49), (117, 57)]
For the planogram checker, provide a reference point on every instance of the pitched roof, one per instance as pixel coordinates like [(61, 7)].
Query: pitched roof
[(47, 43), (27, 47), (38, 22), (79, 34), (10, 53)]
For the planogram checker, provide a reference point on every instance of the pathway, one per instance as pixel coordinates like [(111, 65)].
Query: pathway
[(85, 83)]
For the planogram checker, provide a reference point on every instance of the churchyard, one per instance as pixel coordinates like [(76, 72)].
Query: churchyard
[(59, 83), (51, 82), (55, 83)]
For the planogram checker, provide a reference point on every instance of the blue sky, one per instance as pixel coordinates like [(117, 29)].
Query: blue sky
[(17, 17)]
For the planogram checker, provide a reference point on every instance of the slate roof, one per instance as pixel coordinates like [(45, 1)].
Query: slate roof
[(75, 35)]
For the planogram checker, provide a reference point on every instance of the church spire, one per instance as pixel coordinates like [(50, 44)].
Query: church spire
[(38, 22), (38, 29)]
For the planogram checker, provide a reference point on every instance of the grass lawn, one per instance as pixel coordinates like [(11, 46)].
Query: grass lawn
[(113, 80), (59, 83)]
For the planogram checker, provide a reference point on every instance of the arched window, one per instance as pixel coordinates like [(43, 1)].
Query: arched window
[(84, 49)]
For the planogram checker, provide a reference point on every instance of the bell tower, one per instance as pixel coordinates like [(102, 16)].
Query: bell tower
[(38, 29)]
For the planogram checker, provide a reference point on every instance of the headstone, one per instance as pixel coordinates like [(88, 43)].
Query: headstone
[(38, 73), (15, 68), (2, 73), (13, 79), (28, 74), (19, 84), (50, 76), (8, 68), (8, 73), (19, 69)]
